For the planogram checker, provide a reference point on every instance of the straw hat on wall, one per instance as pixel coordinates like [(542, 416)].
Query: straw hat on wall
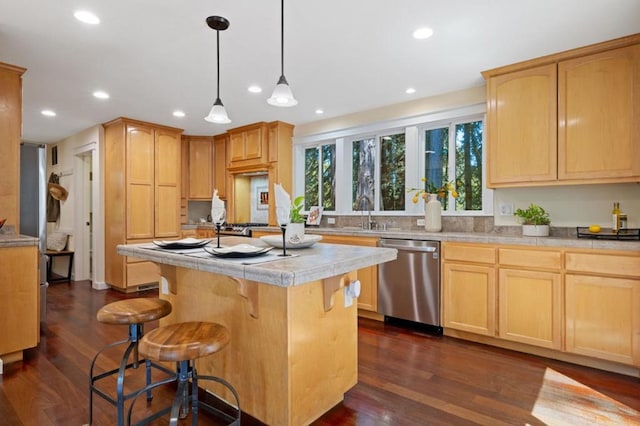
[(58, 192)]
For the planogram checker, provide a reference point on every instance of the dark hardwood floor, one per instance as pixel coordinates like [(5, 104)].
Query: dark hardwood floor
[(405, 378)]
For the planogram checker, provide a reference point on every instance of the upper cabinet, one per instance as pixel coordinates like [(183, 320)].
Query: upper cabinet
[(248, 146), (220, 164), (567, 118), (201, 167)]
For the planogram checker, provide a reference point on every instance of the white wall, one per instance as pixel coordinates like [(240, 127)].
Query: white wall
[(69, 149)]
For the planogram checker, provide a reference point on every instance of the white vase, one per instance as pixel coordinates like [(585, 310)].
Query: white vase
[(294, 232), (535, 230), (433, 214)]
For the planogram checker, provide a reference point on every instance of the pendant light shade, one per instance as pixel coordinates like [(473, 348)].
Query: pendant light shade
[(218, 113), (282, 95)]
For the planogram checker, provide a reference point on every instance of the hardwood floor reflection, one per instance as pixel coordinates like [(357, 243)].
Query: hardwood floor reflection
[(405, 378)]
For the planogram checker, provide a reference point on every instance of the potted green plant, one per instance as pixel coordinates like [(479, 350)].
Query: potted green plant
[(295, 229), (535, 221)]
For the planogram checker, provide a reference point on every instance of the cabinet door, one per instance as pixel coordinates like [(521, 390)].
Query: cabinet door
[(468, 298), (368, 277), (530, 307), (200, 169), (167, 184), (253, 144), (139, 181), (236, 146), (599, 108), (522, 126), (603, 317), (220, 166)]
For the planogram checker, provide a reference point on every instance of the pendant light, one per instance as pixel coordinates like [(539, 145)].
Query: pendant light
[(218, 113), (282, 95)]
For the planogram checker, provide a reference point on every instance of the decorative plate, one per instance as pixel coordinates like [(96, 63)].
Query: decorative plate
[(276, 241), (239, 250), (185, 243)]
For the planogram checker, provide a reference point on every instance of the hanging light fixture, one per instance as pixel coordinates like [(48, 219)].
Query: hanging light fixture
[(282, 95), (218, 113)]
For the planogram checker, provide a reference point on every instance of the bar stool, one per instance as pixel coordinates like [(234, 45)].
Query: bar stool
[(134, 313), (183, 343)]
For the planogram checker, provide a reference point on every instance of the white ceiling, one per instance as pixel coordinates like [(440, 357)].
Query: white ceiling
[(344, 56)]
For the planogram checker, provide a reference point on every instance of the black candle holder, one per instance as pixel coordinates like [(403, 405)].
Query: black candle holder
[(218, 226), (284, 241)]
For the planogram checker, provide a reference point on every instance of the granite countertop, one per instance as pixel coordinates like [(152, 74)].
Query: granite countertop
[(310, 264), (474, 237), (13, 240)]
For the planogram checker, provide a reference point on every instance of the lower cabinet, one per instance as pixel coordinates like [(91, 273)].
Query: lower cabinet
[(603, 306), (469, 298), (584, 302)]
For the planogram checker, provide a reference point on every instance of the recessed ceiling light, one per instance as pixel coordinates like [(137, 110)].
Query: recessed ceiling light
[(422, 33), (178, 113), (410, 90), (86, 17), (255, 89), (100, 94), (319, 111), (48, 113)]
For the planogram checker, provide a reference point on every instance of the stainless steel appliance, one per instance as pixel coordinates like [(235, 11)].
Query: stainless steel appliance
[(239, 229), (33, 207), (409, 287)]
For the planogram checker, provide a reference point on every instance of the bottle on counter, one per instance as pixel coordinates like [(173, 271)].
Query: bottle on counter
[(615, 217), (623, 221)]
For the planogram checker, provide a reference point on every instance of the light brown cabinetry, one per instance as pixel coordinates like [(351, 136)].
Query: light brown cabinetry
[(142, 195), (201, 167), (248, 145), (469, 288), (10, 134), (603, 305), (220, 162), (547, 118), (19, 301), (530, 296)]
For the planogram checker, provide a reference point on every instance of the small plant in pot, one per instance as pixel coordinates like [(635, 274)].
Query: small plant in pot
[(295, 230), (535, 221)]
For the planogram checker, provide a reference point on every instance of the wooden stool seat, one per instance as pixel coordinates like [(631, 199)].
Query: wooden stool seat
[(184, 341), (134, 311)]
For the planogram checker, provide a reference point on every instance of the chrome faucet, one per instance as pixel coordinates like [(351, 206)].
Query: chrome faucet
[(370, 223)]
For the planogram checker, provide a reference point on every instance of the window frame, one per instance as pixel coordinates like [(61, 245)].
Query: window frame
[(413, 172)]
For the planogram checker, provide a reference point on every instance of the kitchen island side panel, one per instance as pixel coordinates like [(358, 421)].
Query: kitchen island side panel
[(291, 361)]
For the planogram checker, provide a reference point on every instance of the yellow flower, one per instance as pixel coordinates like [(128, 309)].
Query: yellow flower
[(430, 188)]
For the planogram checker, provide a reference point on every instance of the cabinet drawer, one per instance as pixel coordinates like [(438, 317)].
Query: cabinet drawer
[(622, 264), (541, 259), (142, 273), (469, 253)]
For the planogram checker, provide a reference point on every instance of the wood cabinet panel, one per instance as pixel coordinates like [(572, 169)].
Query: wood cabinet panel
[(522, 125), (603, 318), (247, 146), (469, 298), (140, 273), (536, 259), (19, 299), (476, 253), (220, 165), (201, 168), (612, 263), (599, 100), (530, 307), (140, 218)]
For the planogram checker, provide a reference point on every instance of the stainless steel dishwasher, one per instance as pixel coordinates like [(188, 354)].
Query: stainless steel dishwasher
[(409, 287)]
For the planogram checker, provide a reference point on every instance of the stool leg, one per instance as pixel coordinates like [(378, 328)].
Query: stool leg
[(194, 395), (177, 409), (120, 381)]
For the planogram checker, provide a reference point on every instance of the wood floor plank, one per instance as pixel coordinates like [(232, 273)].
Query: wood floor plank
[(406, 377)]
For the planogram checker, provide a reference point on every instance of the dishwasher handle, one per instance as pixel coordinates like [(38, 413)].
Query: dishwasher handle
[(426, 249)]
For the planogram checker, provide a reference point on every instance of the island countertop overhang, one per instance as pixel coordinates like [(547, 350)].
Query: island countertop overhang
[(310, 264)]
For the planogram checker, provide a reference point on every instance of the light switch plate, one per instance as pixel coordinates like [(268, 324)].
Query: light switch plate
[(505, 209), (420, 222), (164, 285), (331, 220)]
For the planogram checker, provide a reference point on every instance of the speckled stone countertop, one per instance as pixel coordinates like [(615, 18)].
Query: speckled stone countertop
[(13, 240), (475, 237), (309, 264)]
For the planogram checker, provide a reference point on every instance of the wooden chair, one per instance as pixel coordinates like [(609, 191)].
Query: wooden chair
[(133, 313), (183, 343)]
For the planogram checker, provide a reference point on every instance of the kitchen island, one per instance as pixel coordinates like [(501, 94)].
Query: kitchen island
[(293, 350)]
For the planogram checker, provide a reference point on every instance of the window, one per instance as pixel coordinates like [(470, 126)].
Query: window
[(382, 174), (464, 167), (319, 181)]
